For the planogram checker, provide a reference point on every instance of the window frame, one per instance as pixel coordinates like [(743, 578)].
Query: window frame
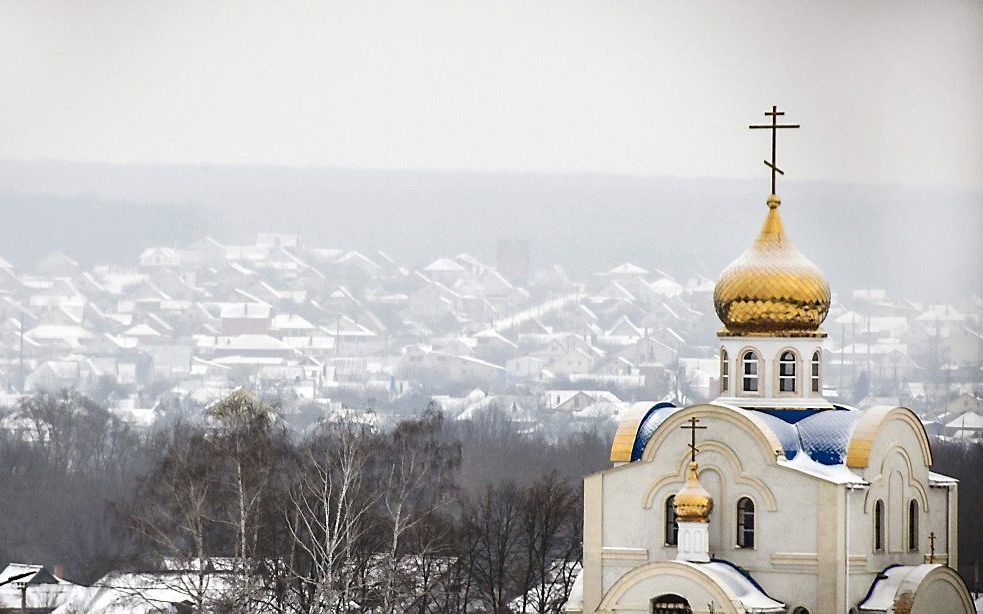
[(788, 358), (815, 373), (724, 370), (749, 358), (669, 602), (913, 537), (670, 525), (745, 534), (879, 525)]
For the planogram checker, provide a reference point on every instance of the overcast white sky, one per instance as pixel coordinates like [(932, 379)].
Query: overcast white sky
[(886, 92)]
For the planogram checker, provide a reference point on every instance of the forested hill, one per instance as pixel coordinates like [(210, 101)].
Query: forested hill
[(921, 243)]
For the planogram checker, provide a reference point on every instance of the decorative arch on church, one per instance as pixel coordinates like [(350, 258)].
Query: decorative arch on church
[(736, 473), (660, 578), (761, 433), (880, 485), (871, 423), (670, 604)]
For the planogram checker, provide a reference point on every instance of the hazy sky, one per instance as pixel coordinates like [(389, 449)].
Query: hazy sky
[(886, 92)]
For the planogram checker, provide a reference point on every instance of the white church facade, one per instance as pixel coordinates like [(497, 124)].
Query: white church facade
[(788, 503)]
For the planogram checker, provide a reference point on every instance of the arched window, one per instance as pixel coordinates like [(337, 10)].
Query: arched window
[(745, 523), (750, 363), (672, 525), (786, 372), (816, 358), (724, 371), (670, 604), (913, 525), (879, 525)]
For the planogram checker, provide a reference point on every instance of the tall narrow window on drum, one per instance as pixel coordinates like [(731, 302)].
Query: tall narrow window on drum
[(724, 371), (786, 372), (750, 363), (816, 358)]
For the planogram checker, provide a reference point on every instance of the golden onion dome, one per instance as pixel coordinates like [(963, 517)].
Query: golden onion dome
[(693, 503), (772, 289)]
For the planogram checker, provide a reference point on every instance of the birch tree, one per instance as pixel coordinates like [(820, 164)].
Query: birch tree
[(418, 486), (330, 518)]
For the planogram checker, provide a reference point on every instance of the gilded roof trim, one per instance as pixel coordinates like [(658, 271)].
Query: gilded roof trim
[(624, 437), (871, 423)]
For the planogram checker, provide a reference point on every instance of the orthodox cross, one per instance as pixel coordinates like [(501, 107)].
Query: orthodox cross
[(931, 545), (692, 428), (774, 126)]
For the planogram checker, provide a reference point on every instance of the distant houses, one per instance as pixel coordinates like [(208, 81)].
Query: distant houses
[(282, 312)]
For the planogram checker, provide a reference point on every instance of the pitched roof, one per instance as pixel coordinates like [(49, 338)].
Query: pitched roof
[(444, 265)]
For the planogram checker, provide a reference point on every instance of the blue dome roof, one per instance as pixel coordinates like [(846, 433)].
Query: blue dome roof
[(655, 416), (824, 435)]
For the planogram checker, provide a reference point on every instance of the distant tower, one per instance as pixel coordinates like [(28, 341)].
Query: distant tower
[(513, 259)]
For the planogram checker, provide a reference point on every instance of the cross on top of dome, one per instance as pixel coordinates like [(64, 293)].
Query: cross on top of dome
[(774, 126), (692, 427)]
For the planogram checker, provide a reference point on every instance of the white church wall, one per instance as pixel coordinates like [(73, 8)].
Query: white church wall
[(898, 473), (732, 465), (800, 519), (862, 572)]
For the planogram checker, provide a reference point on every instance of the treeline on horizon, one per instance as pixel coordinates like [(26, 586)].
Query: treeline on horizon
[(429, 516), (109, 213)]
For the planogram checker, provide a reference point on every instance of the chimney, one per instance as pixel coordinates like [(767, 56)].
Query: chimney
[(59, 571)]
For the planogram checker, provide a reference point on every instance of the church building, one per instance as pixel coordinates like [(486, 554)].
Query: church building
[(770, 498)]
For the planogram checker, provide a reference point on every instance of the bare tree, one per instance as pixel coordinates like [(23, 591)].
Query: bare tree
[(174, 512), (62, 469), (550, 529), (249, 448), (418, 485), (330, 518), (494, 552)]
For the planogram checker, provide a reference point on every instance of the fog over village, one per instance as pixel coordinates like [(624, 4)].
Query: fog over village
[(316, 328), (365, 309)]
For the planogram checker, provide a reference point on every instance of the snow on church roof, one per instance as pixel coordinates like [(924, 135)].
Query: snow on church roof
[(897, 583), (813, 441), (742, 586)]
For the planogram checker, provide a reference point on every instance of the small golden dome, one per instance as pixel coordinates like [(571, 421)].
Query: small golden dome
[(772, 289), (693, 503)]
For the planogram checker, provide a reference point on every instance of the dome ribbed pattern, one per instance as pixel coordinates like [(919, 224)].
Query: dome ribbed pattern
[(772, 289)]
